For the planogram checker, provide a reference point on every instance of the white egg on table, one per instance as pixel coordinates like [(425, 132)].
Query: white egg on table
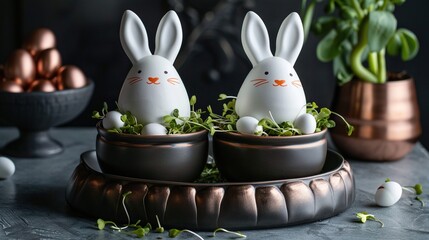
[(306, 123), (154, 129), (112, 120), (7, 167), (388, 194), (247, 125)]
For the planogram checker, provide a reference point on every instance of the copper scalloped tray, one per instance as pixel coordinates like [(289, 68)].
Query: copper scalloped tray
[(247, 205)]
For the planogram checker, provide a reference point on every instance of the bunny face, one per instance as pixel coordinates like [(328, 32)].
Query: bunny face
[(152, 88), (272, 85)]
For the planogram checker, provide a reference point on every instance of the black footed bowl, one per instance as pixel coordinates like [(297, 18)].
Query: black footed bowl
[(34, 113), (175, 157), (242, 158)]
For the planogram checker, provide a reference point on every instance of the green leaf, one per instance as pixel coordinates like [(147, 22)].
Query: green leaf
[(398, 2), (419, 189), (381, 27), (101, 224), (394, 45), (222, 96), (410, 44), (323, 25), (193, 100), (342, 70), (124, 118), (348, 12), (141, 232), (327, 48), (174, 232), (96, 115), (175, 113), (330, 7), (105, 108), (330, 46)]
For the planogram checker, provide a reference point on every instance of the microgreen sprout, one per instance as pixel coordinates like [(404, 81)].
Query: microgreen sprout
[(104, 110), (177, 124), (176, 232), (159, 229), (416, 189), (137, 231), (210, 174), (223, 96), (238, 234), (364, 216)]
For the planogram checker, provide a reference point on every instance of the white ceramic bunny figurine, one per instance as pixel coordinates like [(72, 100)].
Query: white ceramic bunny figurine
[(272, 86), (152, 88)]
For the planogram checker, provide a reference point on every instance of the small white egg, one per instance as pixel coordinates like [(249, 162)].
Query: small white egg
[(247, 125), (113, 120), (154, 129), (7, 168), (306, 123), (388, 194)]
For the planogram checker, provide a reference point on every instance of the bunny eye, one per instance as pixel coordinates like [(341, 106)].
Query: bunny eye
[(266, 73), (290, 74), (139, 71), (165, 72)]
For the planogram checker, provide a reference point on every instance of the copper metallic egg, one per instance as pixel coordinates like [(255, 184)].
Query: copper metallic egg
[(20, 65), (41, 85), (48, 62), (39, 40), (10, 86), (70, 77), (59, 85)]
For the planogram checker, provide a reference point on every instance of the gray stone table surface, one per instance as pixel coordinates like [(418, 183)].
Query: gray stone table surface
[(33, 205)]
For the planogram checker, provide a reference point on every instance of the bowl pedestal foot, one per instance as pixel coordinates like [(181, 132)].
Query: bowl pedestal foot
[(32, 144)]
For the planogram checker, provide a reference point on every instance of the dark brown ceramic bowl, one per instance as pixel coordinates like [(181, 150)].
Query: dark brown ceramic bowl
[(175, 157), (34, 113), (243, 158)]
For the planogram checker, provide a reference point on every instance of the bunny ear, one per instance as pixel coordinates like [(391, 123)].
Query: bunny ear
[(169, 36), (255, 39), (290, 38), (134, 37)]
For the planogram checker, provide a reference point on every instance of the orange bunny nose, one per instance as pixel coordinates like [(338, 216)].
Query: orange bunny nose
[(153, 79), (279, 82)]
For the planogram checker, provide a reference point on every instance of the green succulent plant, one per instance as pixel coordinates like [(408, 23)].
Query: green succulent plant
[(356, 35)]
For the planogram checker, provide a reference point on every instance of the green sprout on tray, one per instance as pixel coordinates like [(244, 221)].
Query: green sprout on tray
[(364, 216), (138, 231)]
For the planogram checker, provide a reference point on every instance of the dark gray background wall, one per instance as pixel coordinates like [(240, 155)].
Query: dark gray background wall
[(211, 61)]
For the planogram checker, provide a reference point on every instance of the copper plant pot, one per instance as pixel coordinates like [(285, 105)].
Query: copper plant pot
[(242, 158), (385, 116), (175, 157)]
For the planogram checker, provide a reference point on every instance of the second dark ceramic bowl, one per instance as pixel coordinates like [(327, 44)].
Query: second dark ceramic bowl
[(176, 157), (242, 158)]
